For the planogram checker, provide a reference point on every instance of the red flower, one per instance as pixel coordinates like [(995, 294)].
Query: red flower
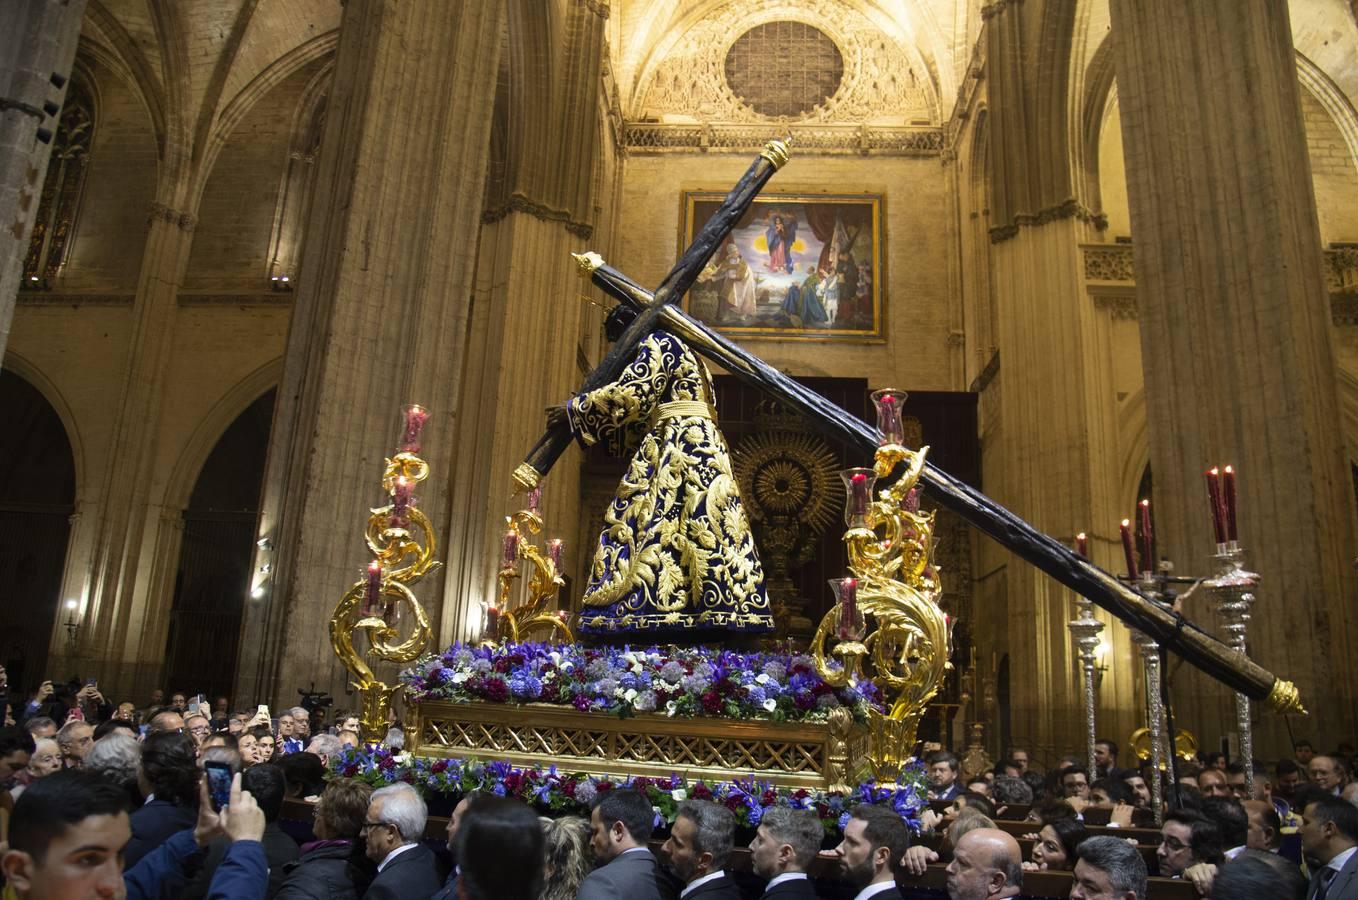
[(387, 763), (351, 770), (701, 792), (604, 786), (768, 798), (440, 765), (711, 702)]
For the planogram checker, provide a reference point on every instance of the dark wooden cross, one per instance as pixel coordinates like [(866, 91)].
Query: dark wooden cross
[(659, 310)]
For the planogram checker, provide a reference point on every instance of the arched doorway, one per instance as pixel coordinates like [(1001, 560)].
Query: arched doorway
[(215, 557), (37, 497)]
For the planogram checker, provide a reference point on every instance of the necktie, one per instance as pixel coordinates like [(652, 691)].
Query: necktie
[(1326, 876)]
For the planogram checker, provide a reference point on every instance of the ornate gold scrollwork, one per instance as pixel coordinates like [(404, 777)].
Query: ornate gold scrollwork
[(906, 654), (536, 615), (405, 549)]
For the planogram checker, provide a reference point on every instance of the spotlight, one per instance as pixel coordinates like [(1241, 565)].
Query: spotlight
[(258, 592)]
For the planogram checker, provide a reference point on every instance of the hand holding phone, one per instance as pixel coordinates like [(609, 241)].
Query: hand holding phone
[(218, 783)]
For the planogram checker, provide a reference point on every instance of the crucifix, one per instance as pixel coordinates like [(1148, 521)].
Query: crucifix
[(660, 310)]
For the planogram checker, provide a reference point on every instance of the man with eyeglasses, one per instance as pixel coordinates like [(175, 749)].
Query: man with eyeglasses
[(393, 830), (1186, 838), (199, 727)]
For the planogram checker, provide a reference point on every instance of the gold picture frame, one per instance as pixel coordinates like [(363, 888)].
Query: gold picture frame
[(797, 266)]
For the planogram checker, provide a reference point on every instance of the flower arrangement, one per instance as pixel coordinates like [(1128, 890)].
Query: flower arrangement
[(674, 681), (561, 793)]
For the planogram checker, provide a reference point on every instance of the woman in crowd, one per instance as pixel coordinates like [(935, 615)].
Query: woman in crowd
[(1055, 845), (169, 779), (265, 744), (568, 860), (117, 756), (247, 745), (334, 866)]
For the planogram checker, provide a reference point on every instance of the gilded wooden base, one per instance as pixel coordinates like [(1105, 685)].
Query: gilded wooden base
[(816, 755)]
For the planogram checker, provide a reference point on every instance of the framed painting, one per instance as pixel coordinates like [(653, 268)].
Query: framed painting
[(795, 267)]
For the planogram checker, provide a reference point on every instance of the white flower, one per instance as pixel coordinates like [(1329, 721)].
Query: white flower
[(548, 676), (555, 657), (631, 695), (770, 704), (567, 666), (671, 708), (617, 692), (402, 758), (459, 677), (763, 678), (679, 794)]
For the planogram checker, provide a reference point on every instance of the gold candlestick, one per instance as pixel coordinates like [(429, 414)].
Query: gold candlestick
[(515, 625), (906, 653), (403, 545)]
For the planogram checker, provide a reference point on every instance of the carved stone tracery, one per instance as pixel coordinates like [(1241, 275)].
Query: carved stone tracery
[(883, 81)]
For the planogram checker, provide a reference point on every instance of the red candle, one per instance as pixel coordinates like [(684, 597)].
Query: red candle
[(415, 417), (889, 426), (1082, 544), (371, 603), (1128, 549), (555, 548), (400, 501), (858, 494), (1218, 504), (511, 549), (911, 502), (534, 499), (1147, 545), (1228, 496), (492, 623), (848, 608)]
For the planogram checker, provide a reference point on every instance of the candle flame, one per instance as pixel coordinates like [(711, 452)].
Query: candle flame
[(1145, 502), (1214, 471), (1229, 470), (1126, 523), (1080, 536), (374, 566)]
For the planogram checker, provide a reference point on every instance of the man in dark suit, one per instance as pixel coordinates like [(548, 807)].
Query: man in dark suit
[(784, 846), (698, 848), (1329, 835), (503, 851), (449, 889), (875, 839), (620, 825), (943, 776), (395, 826)]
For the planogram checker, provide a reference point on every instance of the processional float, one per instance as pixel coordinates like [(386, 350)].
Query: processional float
[(907, 647)]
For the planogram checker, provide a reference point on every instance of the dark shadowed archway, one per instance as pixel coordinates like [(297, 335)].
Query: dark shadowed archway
[(215, 557), (37, 497)]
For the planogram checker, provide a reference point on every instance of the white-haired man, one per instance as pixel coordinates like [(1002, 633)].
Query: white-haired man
[(394, 829)]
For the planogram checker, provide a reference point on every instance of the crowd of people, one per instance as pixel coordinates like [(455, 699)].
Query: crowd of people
[(105, 800)]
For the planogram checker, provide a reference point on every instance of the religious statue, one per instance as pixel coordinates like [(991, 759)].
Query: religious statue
[(676, 556)]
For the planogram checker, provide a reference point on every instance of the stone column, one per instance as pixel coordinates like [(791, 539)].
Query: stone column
[(40, 40), (380, 318), (1235, 335), (528, 321), (116, 637), (1054, 454)]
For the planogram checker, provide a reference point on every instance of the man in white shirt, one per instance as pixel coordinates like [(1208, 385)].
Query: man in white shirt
[(783, 847), (699, 847), (1328, 773), (1329, 835), (875, 839)]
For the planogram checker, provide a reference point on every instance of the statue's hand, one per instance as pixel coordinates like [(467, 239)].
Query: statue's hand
[(556, 416)]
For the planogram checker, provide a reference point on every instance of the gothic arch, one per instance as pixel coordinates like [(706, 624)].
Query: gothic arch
[(1314, 80), (1097, 89), (321, 47), (31, 373), (127, 60), (213, 425)]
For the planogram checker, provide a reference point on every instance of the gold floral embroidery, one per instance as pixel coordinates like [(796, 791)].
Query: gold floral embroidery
[(676, 550)]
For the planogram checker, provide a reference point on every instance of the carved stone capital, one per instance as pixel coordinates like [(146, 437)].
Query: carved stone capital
[(1119, 306), (1064, 210), (518, 203), (181, 220), (990, 10), (599, 7)]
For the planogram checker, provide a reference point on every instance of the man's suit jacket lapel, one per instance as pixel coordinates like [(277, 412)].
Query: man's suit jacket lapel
[(1345, 881)]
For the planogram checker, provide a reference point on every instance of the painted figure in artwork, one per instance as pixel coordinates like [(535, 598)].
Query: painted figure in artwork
[(780, 236), (676, 557), (802, 304)]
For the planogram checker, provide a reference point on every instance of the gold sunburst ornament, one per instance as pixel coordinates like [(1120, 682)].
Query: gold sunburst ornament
[(905, 651)]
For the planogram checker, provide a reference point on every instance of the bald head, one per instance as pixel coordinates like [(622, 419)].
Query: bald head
[(987, 865)]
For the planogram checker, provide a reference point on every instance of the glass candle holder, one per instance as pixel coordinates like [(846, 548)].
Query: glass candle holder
[(851, 624), (858, 485), (889, 428), (509, 550), (413, 418), (555, 548), (533, 502)]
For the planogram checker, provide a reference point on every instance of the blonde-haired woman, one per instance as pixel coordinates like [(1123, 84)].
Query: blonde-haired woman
[(568, 859)]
